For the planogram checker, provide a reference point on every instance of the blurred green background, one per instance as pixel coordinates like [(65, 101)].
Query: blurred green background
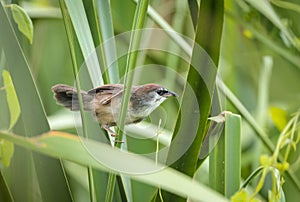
[(248, 38)]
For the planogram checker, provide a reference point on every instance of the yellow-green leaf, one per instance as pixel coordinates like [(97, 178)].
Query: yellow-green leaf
[(265, 160), (241, 196), (298, 137), (12, 99), (6, 152), (279, 117), (23, 21)]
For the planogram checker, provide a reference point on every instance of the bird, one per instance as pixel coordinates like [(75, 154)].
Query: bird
[(105, 101)]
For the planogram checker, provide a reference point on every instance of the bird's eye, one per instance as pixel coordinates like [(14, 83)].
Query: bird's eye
[(161, 92)]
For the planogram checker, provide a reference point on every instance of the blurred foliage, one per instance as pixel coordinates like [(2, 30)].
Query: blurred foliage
[(248, 36)]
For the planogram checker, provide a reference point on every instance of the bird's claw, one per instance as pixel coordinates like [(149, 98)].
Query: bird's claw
[(112, 133)]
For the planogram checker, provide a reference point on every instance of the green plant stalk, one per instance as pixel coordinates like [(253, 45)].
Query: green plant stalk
[(158, 131), (217, 166), (252, 176), (103, 61), (295, 120), (194, 9), (284, 135), (286, 5), (85, 39), (107, 33), (260, 183), (225, 159), (99, 27), (97, 36), (178, 25), (281, 141), (232, 154), (139, 18), (70, 36), (262, 102), (135, 37), (111, 183), (246, 114), (263, 90), (210, 18)]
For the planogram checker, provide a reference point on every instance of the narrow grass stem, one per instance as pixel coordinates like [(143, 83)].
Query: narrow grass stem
[(110, 187), (102, 60), (70, 36), (139, 18), (294, 126)]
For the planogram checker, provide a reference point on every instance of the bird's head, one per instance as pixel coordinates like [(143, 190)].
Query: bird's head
[(148, 97)]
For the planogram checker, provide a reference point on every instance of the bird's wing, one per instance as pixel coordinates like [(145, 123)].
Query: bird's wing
[(107, 92), (107, 89)]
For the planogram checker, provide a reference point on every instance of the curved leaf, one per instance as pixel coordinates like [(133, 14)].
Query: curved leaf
[(6, 152), (88, 152), (23, 21), (12, 99)]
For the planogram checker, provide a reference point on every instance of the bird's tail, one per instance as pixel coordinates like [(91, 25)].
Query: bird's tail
[(68, 97)]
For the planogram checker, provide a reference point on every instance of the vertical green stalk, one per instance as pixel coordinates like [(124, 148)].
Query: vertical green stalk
[(225, 159), (95, 27), (178, 23), (232, 153), (102, 61), (293, 129), (85, 39), (208, 36), (194, 9), (71, 39), (246, 114), (217, 166), (262, 102), (105, 21), (139, 18)]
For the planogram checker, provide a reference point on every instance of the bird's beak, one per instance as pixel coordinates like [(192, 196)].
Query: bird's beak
[(170, 94)]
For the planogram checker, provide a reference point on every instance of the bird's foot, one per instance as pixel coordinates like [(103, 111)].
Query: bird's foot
[(109, 131)]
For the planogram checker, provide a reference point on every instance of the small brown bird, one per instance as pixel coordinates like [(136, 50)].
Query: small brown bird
[(105, 101)]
